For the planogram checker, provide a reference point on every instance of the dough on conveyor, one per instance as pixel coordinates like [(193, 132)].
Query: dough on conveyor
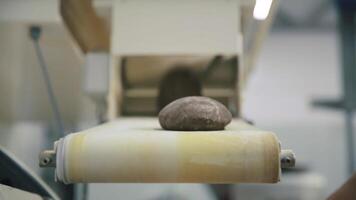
[(194, 114)]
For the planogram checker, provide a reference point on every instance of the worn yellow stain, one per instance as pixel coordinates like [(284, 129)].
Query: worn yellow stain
[(227, 158), (75, 169), (271, 157)]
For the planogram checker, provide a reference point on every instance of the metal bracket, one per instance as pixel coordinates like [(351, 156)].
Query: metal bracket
[(287, 159), (47, 158)]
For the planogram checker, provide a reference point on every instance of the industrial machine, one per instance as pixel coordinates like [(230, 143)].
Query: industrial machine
[(148, 39), (126, 57)]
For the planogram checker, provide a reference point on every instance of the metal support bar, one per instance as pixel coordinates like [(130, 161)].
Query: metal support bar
[(347, 39), (35, 33), (347, 14)]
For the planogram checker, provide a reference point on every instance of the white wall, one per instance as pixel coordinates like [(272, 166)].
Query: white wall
[(294, 68)]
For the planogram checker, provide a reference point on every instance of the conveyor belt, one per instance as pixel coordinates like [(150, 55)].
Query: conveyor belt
[(137, 150)]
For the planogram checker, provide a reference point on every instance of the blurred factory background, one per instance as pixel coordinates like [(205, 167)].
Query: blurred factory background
[(299, 64)]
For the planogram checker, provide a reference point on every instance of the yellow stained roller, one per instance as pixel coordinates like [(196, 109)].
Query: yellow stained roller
[(138, 151)]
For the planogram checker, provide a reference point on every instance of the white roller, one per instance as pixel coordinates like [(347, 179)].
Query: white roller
[(138, 151)]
